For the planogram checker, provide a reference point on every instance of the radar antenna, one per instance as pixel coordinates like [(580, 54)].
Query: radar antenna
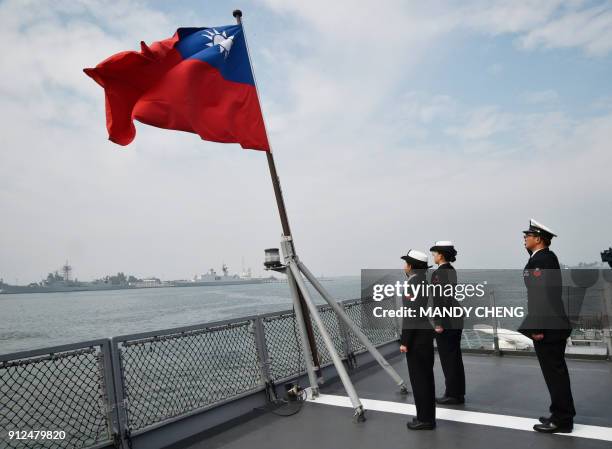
[(67, 272)]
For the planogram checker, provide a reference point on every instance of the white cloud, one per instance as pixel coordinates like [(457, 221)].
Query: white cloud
[(416, 106), (506, 16), (366, 169), (589, 28), (544, 24), (481, 123)]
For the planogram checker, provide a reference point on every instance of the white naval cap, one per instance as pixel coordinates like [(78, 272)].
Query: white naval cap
[(416, 255), (416, 258), (444, 243), (539, 229), (445, 247)]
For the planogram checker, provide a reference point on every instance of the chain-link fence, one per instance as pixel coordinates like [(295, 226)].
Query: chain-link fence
[(378, 330), (282, 336), (171, 373), (63, 393), (331, 321), (284, 349), (164, 376)]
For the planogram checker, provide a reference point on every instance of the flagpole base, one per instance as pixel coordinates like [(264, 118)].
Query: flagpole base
[(294, 269)]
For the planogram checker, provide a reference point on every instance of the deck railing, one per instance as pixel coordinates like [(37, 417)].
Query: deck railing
[(104, 392), (101, 391), (66, 390)]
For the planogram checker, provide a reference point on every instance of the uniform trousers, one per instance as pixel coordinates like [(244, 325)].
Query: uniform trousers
[(449, 350), (551, 356), (420, 358)]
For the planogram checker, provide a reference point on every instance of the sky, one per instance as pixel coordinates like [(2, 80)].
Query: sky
[(393, 124)]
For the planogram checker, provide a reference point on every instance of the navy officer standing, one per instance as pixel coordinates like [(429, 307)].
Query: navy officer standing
[(548, 325), (448, 330), (417, 342)]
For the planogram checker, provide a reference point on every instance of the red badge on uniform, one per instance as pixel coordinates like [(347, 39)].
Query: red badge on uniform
[(537, 272)]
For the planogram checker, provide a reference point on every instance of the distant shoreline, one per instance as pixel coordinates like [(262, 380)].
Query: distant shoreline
[(24, 289)]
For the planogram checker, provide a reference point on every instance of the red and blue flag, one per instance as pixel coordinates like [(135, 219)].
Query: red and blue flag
[(200, 80)]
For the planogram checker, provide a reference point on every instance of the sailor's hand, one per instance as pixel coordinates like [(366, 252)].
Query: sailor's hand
[(439, 329), (537, 337), (403, 348)]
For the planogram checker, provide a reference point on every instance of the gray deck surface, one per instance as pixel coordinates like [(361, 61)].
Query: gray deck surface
[(499, 385)]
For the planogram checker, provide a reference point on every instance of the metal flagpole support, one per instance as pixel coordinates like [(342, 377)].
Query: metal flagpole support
[(359, 412), (299, 318), (305, 307), (354, 329)]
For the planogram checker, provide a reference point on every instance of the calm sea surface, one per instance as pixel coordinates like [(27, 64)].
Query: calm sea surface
[(36, 320)]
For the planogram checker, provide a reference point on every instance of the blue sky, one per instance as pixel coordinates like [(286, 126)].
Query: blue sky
[(394, 124), (495, 71)]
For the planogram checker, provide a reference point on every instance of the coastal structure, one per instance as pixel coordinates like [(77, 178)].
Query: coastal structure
[(56, 282)]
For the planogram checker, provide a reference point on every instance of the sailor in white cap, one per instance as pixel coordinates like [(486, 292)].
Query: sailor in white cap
[(548, 325), (417, 342), (448, 330)]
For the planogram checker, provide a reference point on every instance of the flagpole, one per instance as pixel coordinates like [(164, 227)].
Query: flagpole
[(282, 211), (271, 165), (294, 269)]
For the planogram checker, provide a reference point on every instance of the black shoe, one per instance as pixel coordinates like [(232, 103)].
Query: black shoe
[(551, 427), (415, 424), (544, 419), (448, 400)]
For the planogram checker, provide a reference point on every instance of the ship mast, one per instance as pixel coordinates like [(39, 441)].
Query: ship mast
[(67, 272)]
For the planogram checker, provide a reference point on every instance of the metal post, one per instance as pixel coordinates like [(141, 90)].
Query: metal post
[(358, 333), (607, 309), (399, 324), (120, 399), (282, 210), (346, 339), (111, 394), (264, 357), (312, 377), (344, 377), (495, 325), (288, 254)]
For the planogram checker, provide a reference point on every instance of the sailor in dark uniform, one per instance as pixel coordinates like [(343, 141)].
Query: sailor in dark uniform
[(417, 342), (548, 325), (448, 330)]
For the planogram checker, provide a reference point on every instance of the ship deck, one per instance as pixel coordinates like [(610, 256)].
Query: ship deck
[(505, 395)]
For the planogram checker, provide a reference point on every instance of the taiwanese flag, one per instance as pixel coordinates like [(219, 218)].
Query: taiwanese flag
[(200, 81)]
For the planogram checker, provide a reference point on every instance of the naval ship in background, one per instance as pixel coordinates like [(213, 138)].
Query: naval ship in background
[(212, 278), (64, 282), (241, 383)]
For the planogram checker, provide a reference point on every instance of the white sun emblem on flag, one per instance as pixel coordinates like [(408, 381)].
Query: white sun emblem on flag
[(220, 39)]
